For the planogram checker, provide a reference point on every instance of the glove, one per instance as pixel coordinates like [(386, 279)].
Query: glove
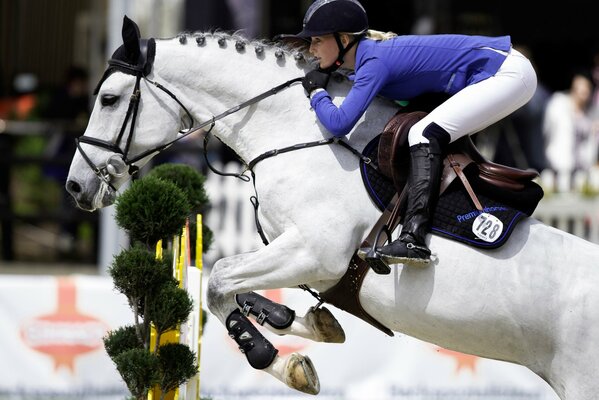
[(315, 79)]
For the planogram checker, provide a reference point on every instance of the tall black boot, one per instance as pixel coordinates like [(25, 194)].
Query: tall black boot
[(426, 162)]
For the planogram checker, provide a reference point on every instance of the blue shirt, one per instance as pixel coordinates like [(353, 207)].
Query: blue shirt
[(404, 67)]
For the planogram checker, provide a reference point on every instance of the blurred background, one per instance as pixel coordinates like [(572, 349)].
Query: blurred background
[(52, 53)]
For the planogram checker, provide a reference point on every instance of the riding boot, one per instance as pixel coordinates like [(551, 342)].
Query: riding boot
[(426, 163)]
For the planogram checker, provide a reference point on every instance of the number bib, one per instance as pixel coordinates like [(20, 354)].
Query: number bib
[(487, 227)]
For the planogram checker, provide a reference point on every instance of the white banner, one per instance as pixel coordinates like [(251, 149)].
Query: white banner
[(51, 331), (51, 347)]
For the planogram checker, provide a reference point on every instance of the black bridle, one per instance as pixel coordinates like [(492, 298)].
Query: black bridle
[(120, 163)]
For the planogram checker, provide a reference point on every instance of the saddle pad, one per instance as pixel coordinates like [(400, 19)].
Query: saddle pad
[(455, 213), (379, 187), (455, 216)]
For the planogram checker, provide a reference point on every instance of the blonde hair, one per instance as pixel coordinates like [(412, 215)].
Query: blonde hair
[(378, 35)]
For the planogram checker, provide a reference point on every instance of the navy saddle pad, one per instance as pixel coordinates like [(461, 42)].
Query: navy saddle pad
[(455, 213)]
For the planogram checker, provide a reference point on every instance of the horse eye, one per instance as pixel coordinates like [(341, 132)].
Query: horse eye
[(108, 99)]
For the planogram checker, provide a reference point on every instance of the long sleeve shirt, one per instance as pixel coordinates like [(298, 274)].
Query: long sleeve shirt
[(404, 67)]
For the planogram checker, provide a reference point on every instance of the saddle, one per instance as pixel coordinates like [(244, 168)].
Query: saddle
[(394, 157), (508, 192)]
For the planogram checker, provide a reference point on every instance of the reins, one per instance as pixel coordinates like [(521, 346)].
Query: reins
[(272, 153), (213, 120)]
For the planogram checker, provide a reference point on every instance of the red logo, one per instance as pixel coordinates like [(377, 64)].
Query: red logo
[(66, 333), (463, 361)]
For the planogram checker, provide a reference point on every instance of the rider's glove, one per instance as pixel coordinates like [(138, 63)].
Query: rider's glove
[(315, 79)]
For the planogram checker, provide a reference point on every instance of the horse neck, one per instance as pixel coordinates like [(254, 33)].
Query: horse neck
[(214, 78)]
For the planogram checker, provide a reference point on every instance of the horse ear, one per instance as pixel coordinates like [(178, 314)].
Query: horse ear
[(131, 38)]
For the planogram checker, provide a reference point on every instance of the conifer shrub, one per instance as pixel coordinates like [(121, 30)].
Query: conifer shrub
[(191, 182), (152, 209), (155, 207)]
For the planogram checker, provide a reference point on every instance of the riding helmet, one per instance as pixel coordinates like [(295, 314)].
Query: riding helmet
[(330, 16)]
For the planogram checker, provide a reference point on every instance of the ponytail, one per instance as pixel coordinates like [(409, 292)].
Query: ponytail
[(378, 35)]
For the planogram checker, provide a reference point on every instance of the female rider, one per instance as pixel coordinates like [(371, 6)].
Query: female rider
[(486, 78)]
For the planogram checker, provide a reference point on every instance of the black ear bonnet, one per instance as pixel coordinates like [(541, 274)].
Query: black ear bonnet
[(134, 57)]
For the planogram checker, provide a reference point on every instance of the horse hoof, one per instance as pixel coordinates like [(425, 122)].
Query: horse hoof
[(301, 375), (325, 325)]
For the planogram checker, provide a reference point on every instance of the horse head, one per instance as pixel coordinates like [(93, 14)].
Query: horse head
[(121, 128)]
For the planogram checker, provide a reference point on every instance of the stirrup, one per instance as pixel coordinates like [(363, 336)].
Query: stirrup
[(373, 258), (417, 255)]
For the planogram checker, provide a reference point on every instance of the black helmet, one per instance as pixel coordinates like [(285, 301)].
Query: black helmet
[(330, 16)]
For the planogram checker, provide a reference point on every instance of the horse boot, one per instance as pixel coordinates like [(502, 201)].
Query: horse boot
[(276, 315), (426, 162), (259, 352)]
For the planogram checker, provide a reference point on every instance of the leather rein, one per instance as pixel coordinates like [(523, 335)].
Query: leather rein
[(120, 163)]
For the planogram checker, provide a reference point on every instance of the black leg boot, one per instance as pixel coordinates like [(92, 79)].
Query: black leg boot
[(423, 185), (259, 352)]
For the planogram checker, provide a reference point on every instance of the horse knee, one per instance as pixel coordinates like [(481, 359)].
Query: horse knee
[(215, 297)]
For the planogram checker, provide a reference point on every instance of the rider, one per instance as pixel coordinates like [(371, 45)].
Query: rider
[(486, 78)]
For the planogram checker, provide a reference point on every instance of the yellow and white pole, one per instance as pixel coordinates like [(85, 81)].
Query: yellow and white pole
[(200, 266)]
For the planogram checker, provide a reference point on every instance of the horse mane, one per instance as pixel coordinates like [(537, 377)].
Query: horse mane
[(281, 48)]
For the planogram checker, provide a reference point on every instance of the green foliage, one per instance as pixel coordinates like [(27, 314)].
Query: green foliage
[(177, 365), (169, 307), (152, 209), (121, 340), (188, 179), (137, 273), (191, 182), (139, 369)]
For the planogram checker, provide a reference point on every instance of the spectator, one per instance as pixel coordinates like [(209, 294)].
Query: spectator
[(571, 142), (23, 104)]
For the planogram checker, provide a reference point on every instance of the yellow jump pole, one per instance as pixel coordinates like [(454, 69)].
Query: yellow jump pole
[(200, 266), (171, 336)]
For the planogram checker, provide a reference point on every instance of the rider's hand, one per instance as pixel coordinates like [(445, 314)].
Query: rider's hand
[(315, 79)]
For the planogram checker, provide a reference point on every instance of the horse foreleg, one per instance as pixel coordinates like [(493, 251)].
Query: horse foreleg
[(318, 324), (283, 263)]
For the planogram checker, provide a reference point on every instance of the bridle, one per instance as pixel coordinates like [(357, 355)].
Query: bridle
[(121, 163)]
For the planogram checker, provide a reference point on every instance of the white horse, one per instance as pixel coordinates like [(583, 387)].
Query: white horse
[(534, 301)]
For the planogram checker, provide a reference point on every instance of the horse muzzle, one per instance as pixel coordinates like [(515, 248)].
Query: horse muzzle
[(100, 196)]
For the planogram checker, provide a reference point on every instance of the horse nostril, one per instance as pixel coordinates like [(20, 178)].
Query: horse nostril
[(73, 187)]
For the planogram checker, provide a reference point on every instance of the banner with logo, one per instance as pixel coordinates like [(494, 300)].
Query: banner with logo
[(51, 347), (51, 331)]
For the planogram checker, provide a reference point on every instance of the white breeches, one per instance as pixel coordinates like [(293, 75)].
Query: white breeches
[(477, 106)]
